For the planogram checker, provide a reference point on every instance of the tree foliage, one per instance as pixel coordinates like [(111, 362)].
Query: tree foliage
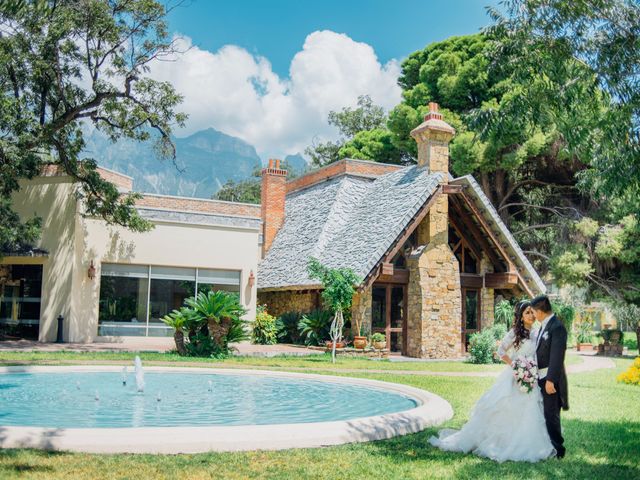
[(349, 122), (67, 64)]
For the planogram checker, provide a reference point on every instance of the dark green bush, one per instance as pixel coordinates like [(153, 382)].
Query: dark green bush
[(287, 325), (314, 327)]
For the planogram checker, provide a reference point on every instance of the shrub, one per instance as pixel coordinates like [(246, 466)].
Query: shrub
[(584, 330), (215, 320), (314, 327), (482, 347), (565, 313), (632, 375), (503, 313), (265, 331), (378, 337), (287, 325), (498, 331)]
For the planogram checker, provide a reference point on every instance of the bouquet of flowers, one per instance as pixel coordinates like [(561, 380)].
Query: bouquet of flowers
[(525, 372)]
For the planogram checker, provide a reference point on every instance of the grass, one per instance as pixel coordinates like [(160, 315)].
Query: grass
[(602, 432), (313, 362)]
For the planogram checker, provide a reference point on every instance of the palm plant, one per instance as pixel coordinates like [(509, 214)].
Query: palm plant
[(504, 313), (220, 310), (314, 327), (178, 320)]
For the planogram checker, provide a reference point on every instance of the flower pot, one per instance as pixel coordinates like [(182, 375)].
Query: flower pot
[(584, 347), (359, 342), (329, 345), (380, 345)]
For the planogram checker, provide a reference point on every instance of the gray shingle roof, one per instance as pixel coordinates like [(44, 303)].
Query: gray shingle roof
[(344, 222)]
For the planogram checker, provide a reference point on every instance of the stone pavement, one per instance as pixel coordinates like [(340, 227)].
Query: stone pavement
[(146, 344)]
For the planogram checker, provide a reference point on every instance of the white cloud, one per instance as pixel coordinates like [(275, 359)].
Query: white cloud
[(238, 93)]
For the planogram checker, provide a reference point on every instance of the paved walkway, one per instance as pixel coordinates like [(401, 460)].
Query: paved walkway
[(147, 344)]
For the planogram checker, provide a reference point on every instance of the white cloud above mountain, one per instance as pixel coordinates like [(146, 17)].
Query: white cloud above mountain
[(238, 93)]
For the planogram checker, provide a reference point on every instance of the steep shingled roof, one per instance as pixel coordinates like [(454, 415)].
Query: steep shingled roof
[(347, 221)]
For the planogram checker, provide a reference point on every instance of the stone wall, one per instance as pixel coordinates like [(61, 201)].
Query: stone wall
[(280, 302), (361, 310), (487, 295), (434, 296)]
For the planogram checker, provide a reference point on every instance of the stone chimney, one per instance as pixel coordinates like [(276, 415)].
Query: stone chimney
[(272, 199), (434, 294), (433, 137)]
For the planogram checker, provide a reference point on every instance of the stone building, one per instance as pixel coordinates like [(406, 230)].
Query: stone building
[(431, 250)]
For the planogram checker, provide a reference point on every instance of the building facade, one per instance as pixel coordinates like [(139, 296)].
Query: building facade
[(107, 281)]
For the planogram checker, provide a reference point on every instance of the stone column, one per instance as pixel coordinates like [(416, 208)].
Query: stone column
[(487, 297), (361, 309), (434, 310)]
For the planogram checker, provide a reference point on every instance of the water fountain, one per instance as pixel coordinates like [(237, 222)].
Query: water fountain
[(139, 374)]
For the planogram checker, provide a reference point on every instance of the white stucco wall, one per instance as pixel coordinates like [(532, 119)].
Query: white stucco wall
[(73, 241)]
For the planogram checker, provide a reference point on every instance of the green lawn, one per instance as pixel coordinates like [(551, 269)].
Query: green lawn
[(602, 431), (313, 362)]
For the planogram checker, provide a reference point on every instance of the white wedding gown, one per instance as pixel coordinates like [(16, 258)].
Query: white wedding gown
[(505, 424)]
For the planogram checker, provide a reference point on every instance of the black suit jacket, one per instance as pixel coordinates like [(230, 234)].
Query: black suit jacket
[(550, 353)]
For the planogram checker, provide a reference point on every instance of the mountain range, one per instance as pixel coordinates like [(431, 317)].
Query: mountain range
[(206, 160)]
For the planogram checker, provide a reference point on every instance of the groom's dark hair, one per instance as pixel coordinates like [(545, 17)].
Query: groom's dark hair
[(541, 302)]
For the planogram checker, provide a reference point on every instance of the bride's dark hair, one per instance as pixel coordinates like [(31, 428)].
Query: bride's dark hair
[(518, 325)]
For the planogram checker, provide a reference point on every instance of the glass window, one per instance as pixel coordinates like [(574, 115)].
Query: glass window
[(134, 298), (226, 280), (123, 300), (169, 288), (471, 309), (397, 306), (379, 307), (20, 301)]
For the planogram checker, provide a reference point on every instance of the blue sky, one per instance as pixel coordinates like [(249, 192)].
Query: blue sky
[(269, 72), (276, 29)]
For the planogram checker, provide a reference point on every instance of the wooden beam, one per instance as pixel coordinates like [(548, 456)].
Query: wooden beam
[(450, 189), (470, 280), (494, 239), (506, 280), (461, 231), (473, 231), (387, 268)]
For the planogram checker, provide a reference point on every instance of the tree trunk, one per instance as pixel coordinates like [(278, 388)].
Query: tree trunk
[(218, 331), (178, 337)]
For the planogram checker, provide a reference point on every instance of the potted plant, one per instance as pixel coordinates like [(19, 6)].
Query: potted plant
[(361, 342), (379, 341), (583, 334)]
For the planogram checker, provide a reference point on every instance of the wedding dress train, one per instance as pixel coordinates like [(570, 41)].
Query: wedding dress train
[(505, 424)]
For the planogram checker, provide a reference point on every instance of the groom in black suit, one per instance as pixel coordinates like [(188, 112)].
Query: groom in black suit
[(550, 350)]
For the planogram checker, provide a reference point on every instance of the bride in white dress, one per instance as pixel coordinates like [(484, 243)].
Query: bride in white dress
[(506, 424)]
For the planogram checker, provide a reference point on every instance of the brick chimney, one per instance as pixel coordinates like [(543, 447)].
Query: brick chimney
[(272, 202), (433, 137)]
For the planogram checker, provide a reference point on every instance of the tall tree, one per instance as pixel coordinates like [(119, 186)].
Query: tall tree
[(349, 122), (570, 42), (68, 63), (523, 167)]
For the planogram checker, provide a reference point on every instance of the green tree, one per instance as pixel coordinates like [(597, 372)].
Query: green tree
[(67, 63), (576, 63), (349, 122), (248, 190)]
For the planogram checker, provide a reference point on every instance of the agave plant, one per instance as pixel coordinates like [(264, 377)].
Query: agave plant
[(504, 313), (220, 310), (314, 327), (178, 320)]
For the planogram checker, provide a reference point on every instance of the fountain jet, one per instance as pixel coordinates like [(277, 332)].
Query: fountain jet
[(139, 374)]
